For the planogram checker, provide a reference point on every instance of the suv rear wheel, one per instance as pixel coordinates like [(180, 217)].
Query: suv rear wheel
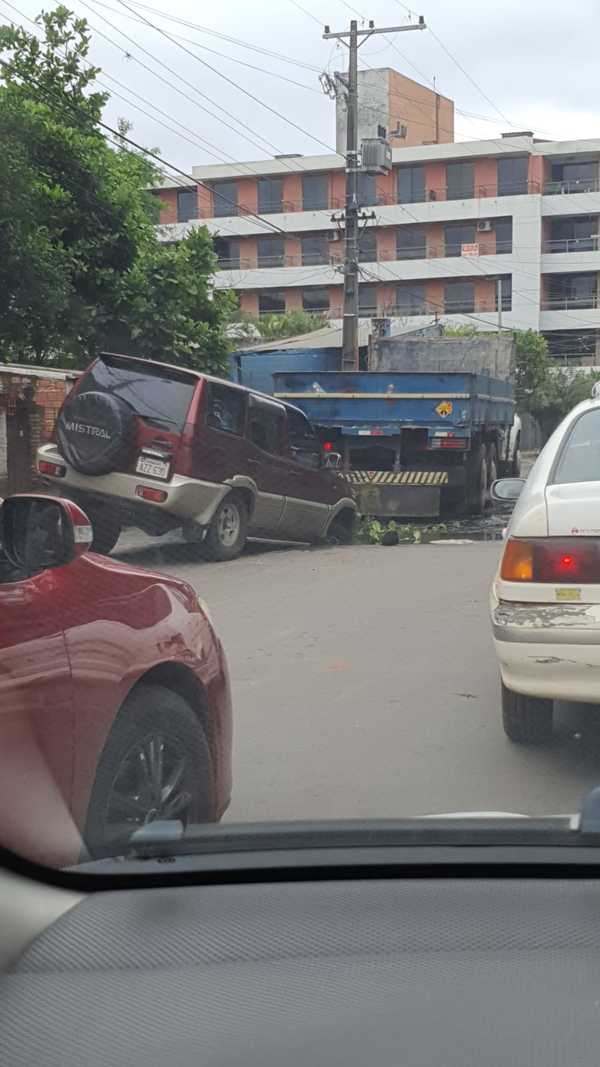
[(226, 536), (526, 720)]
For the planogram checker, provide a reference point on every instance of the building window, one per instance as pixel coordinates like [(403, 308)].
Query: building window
[(270, 252), (506, 293), (573, 291), (411, 185), (459, 298), (579, 177), (366, 190), (503, 230), (271, 302), (227, 252), (315, 192), (512, 175), (367, 301), (367, 246), (578, 234), (315, 249), (460, 181), (186, 205), (270, 191), (411, 243), (572, 344), (456, 235), (225, 198), (315, 300), (410, 299)]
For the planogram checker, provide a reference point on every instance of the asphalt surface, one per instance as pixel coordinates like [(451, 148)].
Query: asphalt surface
[(365, 684)]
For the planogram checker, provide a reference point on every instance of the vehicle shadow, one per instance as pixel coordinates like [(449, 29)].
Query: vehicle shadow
[(156, 555), (577, 735)]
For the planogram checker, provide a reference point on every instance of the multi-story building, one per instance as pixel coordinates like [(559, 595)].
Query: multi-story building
[(450, 219)]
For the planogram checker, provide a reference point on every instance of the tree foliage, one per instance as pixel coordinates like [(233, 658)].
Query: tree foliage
[(273, 327), (80, 260)]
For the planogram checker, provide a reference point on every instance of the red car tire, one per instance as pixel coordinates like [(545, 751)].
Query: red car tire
[(156, 764)]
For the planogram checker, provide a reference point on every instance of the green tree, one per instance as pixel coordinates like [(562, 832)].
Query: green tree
[(273, 327), (533, 370), (168, 305), (80, 259)]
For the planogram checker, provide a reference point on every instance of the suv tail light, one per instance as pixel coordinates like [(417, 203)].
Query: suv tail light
[(551, 559)]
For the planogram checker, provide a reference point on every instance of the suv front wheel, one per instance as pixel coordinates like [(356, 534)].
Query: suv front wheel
[(226, 536)]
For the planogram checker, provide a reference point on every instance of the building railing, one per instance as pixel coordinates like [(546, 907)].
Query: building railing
[(335, 257), (570, 303), (572, 244), (428, 194), (479, 306), (573, 185)]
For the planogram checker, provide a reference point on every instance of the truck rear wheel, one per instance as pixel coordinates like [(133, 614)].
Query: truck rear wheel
[(477, 481)]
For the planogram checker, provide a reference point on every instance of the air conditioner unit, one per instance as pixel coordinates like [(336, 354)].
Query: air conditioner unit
[(332, 235), (484, 226)]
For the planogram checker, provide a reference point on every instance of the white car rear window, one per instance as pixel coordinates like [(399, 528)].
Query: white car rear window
[(580, 459)]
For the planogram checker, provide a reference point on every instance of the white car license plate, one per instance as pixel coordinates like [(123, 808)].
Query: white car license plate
[(154, 468)]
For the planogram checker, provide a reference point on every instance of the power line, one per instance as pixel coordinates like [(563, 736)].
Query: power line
[(153, 155), (174, 73), (469, 78), (224, 36), (231, 81), (135, 17)]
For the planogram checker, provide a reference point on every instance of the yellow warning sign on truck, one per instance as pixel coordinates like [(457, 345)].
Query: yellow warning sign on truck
[(444, 408)]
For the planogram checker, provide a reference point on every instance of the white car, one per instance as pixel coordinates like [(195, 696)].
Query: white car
[(545, 597)]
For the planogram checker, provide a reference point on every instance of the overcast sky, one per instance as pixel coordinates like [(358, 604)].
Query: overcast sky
[(536, 62)]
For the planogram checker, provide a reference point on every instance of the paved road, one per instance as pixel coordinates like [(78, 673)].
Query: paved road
[(365, 685)]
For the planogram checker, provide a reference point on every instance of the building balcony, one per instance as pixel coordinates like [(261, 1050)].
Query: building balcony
[(571, 244), (570, 303), (335, 258), (584, 185)]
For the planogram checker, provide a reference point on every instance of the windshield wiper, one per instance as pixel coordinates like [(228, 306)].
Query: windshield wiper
[(362, 839)]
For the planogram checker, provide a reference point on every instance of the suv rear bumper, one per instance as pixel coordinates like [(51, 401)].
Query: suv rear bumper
[(188, 499)]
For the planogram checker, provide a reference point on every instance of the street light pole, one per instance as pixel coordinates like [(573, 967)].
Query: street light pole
[(351, 214)]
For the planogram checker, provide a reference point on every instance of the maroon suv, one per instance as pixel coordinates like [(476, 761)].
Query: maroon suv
[(145, 444)]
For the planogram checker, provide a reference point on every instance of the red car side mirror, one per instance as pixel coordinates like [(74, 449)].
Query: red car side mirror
[(39, 532)]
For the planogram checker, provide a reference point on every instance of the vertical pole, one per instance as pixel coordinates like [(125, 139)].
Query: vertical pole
[(499, 308), (350, 322)]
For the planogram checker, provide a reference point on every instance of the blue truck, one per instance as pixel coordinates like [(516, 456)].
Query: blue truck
[(411, 442)]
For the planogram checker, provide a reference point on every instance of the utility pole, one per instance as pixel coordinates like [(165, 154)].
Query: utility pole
[(351, 214)]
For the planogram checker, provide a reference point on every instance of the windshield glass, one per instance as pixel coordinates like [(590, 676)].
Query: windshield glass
[(299, 420)]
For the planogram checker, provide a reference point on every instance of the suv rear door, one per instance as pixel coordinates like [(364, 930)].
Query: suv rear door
[(266, 463), (127, 415)]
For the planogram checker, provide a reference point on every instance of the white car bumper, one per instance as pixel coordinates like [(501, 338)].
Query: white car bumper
[(548, 650)]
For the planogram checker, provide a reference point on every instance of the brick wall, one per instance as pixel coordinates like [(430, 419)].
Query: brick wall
[(34, 402)]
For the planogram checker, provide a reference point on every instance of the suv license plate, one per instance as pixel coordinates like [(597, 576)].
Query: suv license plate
[(154, 468)]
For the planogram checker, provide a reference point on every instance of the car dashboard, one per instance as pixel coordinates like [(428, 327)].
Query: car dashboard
[(455, 969)]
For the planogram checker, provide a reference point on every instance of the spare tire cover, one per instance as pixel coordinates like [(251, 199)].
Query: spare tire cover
[(95, 431)]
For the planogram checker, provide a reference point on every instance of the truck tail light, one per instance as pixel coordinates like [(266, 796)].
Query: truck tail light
[(54, 470), (551, 559)]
